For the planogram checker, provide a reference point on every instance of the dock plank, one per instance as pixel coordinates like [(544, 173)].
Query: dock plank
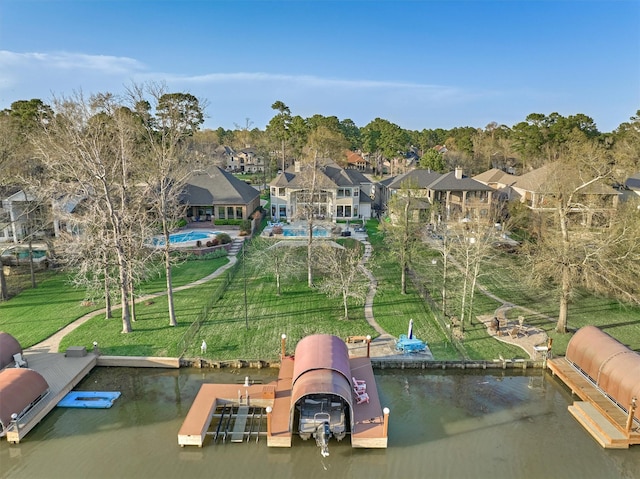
[(62, 374), (240, 424), (368, 428), (598, 404)]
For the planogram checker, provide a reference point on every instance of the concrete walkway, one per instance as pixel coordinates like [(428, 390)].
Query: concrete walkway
[(384, 346)]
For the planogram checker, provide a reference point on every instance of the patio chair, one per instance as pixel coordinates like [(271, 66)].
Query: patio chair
[(20, 361), (362, 397), (523, 329), (359, 386)]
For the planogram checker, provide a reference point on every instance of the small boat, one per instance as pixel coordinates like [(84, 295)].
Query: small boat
[(89, 399), (322, 416)]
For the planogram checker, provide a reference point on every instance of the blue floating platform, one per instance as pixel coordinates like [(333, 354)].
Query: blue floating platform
[(89, 399), (410, 345)]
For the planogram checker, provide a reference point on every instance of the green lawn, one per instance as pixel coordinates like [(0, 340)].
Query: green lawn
[(235, 332), (35, 314)]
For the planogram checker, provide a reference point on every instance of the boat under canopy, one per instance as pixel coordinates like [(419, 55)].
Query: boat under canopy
[(321, 389)]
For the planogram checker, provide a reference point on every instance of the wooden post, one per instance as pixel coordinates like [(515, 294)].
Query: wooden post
[(269, 410), (385, 425), (632, 411), (283, 345)]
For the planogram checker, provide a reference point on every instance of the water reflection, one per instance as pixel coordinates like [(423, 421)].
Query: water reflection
[(442, 425)]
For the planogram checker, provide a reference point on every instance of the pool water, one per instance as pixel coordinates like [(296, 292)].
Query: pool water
[(300, 232), (186, 236), (24, 254)]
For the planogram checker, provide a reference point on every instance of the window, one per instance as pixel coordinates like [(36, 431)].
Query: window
[(220, 212), (239, 212), (282, 192)]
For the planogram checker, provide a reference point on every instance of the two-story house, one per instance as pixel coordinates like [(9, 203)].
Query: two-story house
[(333, 193), (447, 196), (20, 215), (594, 204)]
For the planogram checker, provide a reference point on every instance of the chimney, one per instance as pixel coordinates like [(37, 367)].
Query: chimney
[(458, 172), (296, 167)]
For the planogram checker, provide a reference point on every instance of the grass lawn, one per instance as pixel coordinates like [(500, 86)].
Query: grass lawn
[(35, 314), (233, 331)]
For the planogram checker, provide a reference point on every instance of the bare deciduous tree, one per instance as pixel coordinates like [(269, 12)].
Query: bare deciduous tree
[(168, 120), (343, 276), (585, 242), (88, 152)]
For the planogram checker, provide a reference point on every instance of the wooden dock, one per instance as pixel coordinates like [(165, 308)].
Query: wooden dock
[(211, 397), (279, 434), (599, 415), (62, 374), (369, 429), (138, 362)]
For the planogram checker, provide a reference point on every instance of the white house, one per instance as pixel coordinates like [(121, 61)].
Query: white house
[(340, 194)]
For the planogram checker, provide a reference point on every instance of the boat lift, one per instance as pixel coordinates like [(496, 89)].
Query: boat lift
[(237, 423)]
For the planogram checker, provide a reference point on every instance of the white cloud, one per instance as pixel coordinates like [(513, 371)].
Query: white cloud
[(236, 95), (70, 61), (312, 82)]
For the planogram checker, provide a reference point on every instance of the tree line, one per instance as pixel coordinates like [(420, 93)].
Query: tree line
[(123, 160)]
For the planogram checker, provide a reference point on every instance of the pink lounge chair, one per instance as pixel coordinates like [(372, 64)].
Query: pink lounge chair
[(362, 397), (359, 385)]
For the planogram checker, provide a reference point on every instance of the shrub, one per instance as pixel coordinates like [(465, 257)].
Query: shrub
[(245, 227), (223, 238)]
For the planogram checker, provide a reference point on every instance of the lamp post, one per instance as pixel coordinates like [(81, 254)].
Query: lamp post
[(368, 345), (269, 411), (283, 344), (385, 424)]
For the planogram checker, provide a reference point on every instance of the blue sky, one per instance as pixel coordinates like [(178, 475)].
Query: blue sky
[(419, 64)]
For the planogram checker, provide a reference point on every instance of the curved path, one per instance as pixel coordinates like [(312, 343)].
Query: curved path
[(383, 345), (52, 343)]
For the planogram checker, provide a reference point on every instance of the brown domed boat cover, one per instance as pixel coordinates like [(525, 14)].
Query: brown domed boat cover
[(612, 366), (19, 389), (8, 347), (322, 366)]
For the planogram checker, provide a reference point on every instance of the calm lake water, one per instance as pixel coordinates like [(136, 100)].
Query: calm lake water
[(442, 425)]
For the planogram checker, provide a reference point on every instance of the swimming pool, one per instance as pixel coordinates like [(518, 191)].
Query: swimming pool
[(21, 253), (318, 232), (185, 238)]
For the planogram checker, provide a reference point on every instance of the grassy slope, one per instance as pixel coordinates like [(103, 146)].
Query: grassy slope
[(36, 314)]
